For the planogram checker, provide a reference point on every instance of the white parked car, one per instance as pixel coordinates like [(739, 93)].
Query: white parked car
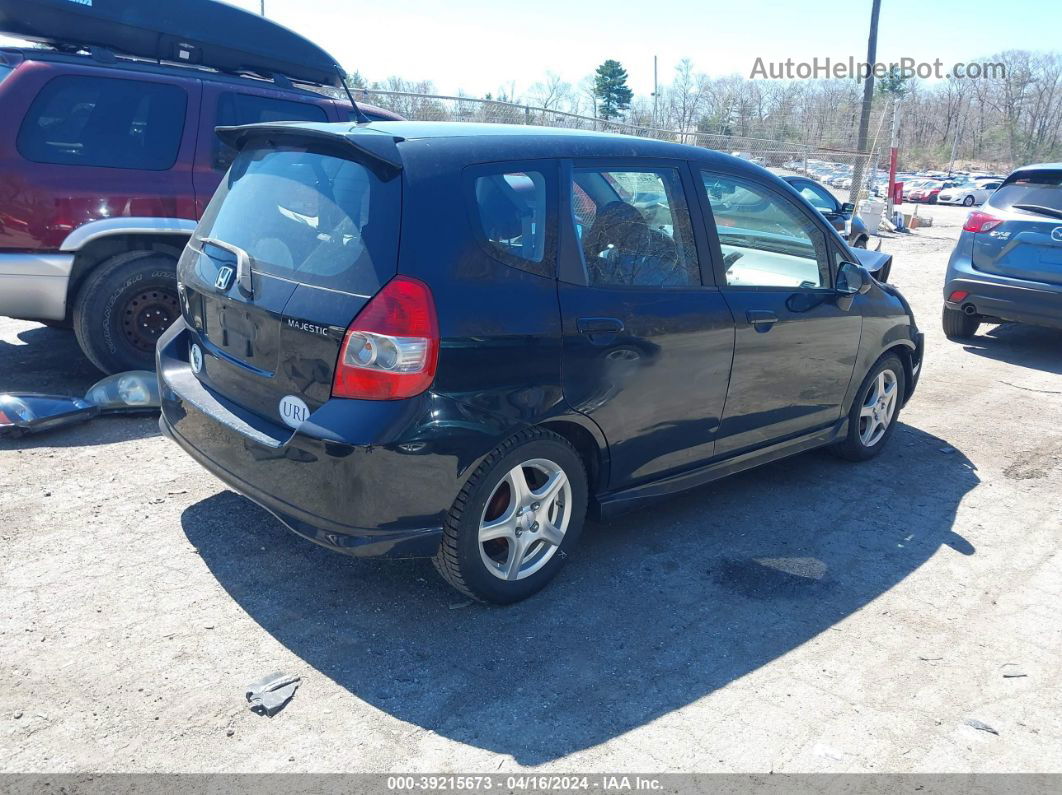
[(969, 194)]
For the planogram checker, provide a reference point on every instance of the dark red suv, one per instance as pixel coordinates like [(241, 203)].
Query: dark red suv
[(107, 164)]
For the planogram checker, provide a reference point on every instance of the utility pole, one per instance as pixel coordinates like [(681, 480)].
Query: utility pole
[(893, 151), (868, 99), (954, 146), (656, 90), (261, 7)]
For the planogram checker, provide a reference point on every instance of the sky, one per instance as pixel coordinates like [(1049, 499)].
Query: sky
[(483, 45), (480, 46)]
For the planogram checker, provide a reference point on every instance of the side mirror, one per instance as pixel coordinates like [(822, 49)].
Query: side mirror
[(847, 208), (853, 279)]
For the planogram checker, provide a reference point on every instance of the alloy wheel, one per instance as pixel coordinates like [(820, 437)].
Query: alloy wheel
[(525, 519), (879, 407)]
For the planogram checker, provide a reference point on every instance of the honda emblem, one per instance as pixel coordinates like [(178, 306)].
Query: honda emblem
[(224, 280)]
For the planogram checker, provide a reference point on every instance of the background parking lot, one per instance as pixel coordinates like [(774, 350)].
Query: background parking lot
[(811, 615)]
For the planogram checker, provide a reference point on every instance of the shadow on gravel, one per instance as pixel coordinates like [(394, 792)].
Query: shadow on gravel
[(50, 362), (1024, 346), (654, 611)]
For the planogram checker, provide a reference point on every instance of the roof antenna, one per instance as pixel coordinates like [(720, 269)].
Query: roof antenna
[(359, 117)]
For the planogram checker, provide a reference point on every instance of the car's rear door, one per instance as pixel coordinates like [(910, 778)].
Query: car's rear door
[(796, 345), (647, 339), (1027, 243), (295, 242)]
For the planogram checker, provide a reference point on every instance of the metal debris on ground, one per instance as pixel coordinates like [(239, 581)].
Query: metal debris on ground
[(270, 694), (973, 723)]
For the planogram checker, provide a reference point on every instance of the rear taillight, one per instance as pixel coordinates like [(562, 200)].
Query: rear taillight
[(391, 349), (978, 221), (958, 295)]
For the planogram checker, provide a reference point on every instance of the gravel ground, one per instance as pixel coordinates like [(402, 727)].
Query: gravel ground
[(812, 615)]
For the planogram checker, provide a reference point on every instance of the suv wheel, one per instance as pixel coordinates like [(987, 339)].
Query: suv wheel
[(875, 412), (123, 307), (959, 325), (515, 520), (861, 242), (968, 201)]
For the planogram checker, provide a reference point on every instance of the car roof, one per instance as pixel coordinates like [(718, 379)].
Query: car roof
[(1038, 167), (479, 143)]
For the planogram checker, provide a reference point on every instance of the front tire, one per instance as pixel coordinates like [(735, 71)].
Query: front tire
[(515, 520), (123, 307), (875, 411), (959, 325), (968, 201)]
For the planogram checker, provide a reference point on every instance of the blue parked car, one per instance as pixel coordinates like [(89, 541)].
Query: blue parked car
[(1007, 263)]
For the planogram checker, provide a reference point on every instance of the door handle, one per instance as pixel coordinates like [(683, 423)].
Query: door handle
[(761, 319), (599, 325), (600, 330)]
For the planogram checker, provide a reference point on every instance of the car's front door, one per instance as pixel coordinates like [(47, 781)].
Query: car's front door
[(648, 341), (796, 342)]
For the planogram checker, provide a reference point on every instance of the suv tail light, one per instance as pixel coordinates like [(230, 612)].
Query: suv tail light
[(391, 349), (978, 221)]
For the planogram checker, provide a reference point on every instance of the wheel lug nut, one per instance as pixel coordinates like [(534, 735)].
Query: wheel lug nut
[(535, 506), (534, 527)]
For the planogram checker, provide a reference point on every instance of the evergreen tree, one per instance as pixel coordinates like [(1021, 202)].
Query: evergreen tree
[(610, 89)]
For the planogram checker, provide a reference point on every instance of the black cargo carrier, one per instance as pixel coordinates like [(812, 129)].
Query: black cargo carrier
[(200, 32)]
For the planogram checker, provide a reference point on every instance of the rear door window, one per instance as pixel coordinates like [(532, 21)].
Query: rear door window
[(309, 217), (235, 109), (634, 228), (114, 123)]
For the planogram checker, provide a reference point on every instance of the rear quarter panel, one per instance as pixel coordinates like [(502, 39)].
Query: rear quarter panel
[(500, 353)]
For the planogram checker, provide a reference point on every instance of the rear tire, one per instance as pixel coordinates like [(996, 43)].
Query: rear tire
[(516, 560), (958, 325), (875, 411), (861, 242), (123, 307)]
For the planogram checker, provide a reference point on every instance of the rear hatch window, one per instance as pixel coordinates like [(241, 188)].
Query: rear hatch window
[(1028, 244), (1038, 189), (320, 232), (308, 217)]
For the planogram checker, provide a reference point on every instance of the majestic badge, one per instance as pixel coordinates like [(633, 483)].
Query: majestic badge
[(195, 358), (293, 410), (224, 280)]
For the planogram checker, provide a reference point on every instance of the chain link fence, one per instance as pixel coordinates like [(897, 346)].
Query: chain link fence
[(790, 156)]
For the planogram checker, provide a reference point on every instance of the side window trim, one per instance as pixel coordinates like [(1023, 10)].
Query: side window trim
[(713, 232), (548, 167), (571, 266)]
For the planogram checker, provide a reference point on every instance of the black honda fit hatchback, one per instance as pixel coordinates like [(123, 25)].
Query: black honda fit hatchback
[(457, 340)]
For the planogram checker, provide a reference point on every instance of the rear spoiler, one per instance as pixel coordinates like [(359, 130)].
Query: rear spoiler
[(380, 148)]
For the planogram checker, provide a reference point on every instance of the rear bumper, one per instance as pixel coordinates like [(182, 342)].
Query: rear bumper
[(1002, 298), (34, 285), (327, 481)]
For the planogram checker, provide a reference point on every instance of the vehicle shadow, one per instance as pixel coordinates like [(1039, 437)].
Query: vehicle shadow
[(1026, 346), (654, 611), (49, 361)]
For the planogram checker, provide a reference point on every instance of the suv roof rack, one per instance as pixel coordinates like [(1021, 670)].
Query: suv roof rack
[(194, 32)]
